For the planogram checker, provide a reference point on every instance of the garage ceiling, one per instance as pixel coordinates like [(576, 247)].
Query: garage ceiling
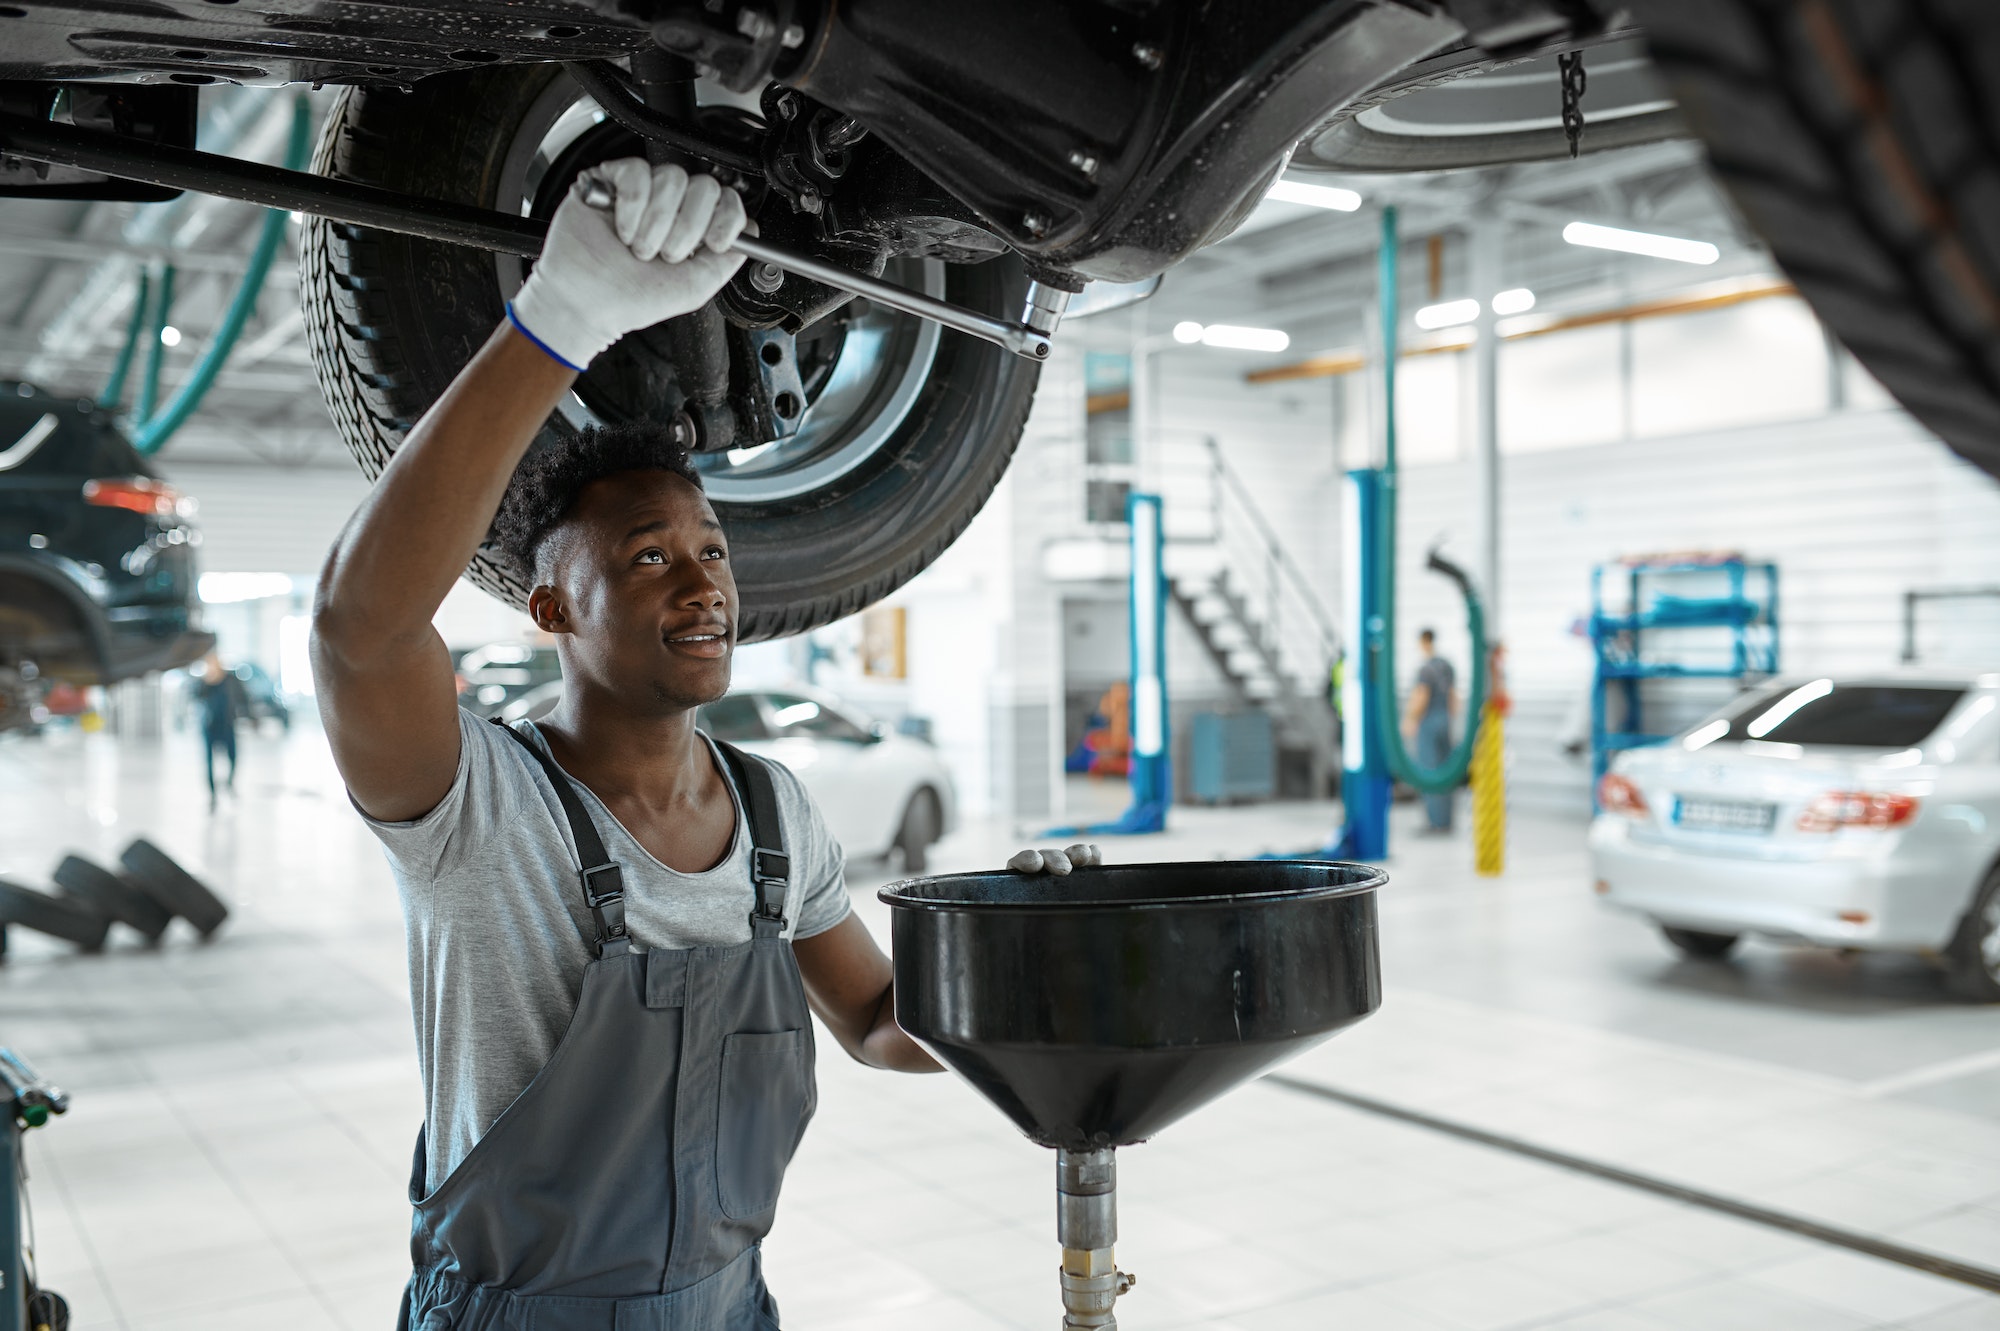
[(69, 269)]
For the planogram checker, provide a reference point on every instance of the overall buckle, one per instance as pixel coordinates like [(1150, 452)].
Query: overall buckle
[(770, 868), (607, 904)]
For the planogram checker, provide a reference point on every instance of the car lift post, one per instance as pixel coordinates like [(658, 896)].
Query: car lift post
[(1365, 784), (1151, 769)]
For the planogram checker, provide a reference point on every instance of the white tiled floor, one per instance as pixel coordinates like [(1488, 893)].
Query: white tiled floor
[(244, 1108)]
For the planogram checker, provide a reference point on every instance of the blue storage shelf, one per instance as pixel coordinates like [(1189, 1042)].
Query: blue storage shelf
[(1722, 618)]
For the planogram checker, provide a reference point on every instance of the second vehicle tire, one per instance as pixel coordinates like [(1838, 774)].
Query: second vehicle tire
[(1700, 944)]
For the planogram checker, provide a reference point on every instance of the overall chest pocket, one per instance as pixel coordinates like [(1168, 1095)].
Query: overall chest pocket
[(767, 1098)]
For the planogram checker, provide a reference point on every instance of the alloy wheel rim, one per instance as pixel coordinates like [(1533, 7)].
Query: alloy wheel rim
[(872, 377)]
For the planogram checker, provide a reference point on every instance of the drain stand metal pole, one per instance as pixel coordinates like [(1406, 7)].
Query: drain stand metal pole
[(1087, 1225)]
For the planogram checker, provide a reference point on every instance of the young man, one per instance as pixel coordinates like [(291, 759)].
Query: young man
[(616, 927), (1433, 703)]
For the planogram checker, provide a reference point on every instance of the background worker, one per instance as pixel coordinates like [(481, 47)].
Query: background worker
[(616, 926), (216, 707), (1433, 703)]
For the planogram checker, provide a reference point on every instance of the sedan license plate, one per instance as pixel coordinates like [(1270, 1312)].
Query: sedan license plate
[(1703, 815)]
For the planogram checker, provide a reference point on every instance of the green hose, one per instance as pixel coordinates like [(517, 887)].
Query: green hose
[(155, 430), (114, 387), (156, 350), (1382, 640)]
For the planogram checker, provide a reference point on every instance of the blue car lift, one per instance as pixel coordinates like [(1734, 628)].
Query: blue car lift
[(1151, 769)]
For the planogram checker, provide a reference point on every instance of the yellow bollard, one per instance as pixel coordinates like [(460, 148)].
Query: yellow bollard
[(1489, 780)]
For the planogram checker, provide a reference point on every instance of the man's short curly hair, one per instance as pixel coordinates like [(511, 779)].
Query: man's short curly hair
[(547, 482)]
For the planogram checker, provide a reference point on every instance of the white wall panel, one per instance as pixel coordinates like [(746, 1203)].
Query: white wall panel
[(261, 518), (1855, 507), (1760, 361)]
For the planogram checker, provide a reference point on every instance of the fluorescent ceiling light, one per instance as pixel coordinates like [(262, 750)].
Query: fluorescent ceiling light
[(1315, 196), (1233, 338), (1518, 300), (170, 336), (1640, 242), (1187, 330), (1448, 313)]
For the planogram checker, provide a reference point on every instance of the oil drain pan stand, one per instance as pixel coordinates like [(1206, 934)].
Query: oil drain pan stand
[(1095, 1009)]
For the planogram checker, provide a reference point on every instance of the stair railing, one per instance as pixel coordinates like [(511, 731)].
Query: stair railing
[(1295, 622)]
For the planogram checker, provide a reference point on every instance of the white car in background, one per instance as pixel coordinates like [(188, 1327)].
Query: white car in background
[(881, 792), (1848, 813)]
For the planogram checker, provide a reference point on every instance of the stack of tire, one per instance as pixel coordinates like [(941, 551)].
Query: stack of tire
[(144, 893)]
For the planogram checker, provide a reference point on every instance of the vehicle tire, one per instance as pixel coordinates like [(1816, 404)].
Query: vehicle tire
[(57, 917), (1863, 143), (97, 888), (1700, 944), (1972, 959), (391, 319), (153, 870), (923, 824)]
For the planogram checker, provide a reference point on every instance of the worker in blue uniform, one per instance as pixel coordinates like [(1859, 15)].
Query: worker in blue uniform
[(1427, 720)]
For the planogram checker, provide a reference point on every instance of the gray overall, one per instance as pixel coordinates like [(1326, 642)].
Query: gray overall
[(627, 1188)]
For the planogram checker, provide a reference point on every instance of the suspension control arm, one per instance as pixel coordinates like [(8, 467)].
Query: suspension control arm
[(113, 154)]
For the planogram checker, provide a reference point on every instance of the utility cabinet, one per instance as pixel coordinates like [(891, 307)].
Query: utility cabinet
[(1231, 757)]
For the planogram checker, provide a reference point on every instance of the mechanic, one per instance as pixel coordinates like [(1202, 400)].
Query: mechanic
[(615, 925), (1427, 721)]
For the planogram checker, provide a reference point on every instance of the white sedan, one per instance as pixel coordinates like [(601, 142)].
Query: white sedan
[(1848, 813), (881, 792)]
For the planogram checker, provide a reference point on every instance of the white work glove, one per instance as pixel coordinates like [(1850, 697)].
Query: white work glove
[(658, 253), (1082, 855)]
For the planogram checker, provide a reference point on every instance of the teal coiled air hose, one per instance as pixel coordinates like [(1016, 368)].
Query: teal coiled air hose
[(155, 430), (1381, 635)]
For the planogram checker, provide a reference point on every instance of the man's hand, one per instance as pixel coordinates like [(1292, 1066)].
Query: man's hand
[(384, 676), (658, 254), (1082, 855)]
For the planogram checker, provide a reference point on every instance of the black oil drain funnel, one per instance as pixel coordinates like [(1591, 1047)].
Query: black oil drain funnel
[(1097, 1008)]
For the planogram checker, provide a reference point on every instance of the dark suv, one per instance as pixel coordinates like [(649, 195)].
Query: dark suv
[(97, 578)]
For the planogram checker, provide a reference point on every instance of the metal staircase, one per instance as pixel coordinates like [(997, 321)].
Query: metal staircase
[(1252, 607)]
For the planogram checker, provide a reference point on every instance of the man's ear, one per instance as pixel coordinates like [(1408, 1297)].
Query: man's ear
[(546, 608)]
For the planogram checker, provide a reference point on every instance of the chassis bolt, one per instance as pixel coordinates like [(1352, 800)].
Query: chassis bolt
[(1034, 223), (793, 37), (766, 277), (682, 430), (753, 23), (1148, 55), (1085, 163)]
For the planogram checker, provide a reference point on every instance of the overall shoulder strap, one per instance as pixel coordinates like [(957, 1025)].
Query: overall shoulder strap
[(603, 880), (770, 866)]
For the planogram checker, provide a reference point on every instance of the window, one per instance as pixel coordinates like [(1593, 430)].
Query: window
[(793, 715), (733, 718), (1870, 716)]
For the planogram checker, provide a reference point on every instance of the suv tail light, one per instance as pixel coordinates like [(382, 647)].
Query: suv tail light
[(137, 493), (1856, 808), (1617, 794)]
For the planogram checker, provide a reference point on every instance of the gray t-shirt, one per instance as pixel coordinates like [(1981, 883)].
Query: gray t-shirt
[(497, 926), (1437, 675)]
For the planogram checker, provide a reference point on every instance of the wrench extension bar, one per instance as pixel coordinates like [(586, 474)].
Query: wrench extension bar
[(111, 154)]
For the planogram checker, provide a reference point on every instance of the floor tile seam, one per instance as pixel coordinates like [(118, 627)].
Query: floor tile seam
[(348, 1130), (1654, 1049), (300, 1269), (83, 1237), (1833, 1234)]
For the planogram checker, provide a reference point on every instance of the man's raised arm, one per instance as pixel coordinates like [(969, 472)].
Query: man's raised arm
[(383, 675)]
